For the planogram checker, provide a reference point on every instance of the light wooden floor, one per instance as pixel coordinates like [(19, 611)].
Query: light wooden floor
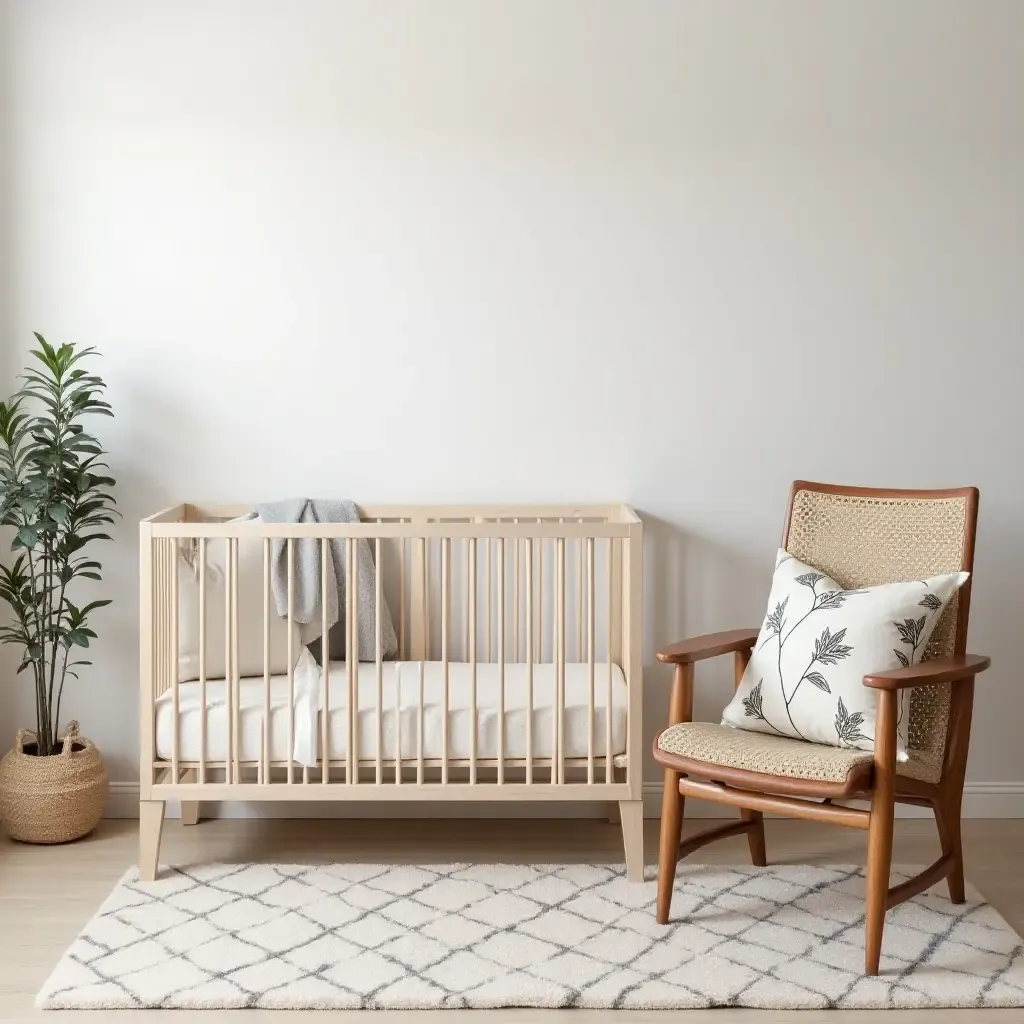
[(48, 893)]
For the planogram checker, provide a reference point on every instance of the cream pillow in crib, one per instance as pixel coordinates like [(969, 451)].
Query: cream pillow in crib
[(250, 614), (805, 675)]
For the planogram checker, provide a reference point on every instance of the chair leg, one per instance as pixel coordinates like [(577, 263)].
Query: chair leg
[(755, 837), (947, 818), (672, 804), (613, 814), (632, 814), (880, 828), (151, 825), (879, 862)]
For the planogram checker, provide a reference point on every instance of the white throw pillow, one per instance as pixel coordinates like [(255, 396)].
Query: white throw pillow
[(250, 614), (805, 675)]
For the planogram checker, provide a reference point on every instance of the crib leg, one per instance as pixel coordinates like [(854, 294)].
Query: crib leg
[(151, 825), (632, 814), (189, 808), (613, 814)]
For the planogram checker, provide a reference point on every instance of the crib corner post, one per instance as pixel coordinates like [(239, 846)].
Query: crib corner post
[(147, 675), (151, 826), (633, 660), (631, 813)]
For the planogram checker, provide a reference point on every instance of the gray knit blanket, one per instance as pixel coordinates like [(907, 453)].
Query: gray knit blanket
[(306, 606)]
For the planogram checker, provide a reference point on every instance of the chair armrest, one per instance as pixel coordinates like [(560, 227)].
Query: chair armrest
[(937, 670), (708, 646)]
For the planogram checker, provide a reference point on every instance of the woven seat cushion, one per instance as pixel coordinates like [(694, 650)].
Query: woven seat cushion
[(776, 755)]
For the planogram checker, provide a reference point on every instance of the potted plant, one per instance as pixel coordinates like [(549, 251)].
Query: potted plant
[(55, 495)]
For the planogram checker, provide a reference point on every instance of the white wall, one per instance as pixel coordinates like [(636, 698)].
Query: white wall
[(671, 253), (6, 197)]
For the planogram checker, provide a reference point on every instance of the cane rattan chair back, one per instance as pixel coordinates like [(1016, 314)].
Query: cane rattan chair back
[(863, 538)]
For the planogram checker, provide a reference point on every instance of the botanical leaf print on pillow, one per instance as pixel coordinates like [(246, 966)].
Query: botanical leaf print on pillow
[(805, 675)]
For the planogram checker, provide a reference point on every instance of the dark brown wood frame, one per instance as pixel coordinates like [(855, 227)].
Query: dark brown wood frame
[(754, 793)]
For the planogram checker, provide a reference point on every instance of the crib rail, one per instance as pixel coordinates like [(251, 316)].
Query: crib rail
[(539, 599)]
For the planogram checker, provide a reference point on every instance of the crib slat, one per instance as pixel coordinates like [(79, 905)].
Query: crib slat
[(229, 697), (446, 548), (236, 680), (560, 669), (487, 595), (419, 733), (399, 656), (402, 653), (590, 660), (265, 763), (471, 598), (515, 595), (540, 599), (202, 660), (554, 662), (378, 587), (290, 549), (579, 600), (325, 666), (426, 597), (398, 727), (465, 600), (501, 660), (175, 698), (351, 655), (608, 771), (528, 566)]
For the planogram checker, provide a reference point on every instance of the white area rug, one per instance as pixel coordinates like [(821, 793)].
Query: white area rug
[(463, 935)]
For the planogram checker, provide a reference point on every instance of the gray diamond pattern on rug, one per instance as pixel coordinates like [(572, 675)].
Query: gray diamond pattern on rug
[(292, 936)]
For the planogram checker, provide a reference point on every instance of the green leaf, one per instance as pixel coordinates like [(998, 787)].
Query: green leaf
[(27, 538), (58, 512)]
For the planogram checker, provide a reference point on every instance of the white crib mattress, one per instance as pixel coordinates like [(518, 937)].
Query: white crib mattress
[(406, 676)]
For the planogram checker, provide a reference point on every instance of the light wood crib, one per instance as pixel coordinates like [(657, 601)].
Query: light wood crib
[(517, 675)]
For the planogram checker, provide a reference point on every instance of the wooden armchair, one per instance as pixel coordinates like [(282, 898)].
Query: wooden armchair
[(861, 537)]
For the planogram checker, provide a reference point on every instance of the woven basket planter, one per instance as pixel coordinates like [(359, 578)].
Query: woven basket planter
[(52, 799)]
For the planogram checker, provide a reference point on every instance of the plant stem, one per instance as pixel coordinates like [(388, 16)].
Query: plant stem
[(53, 668), (47, 637), (38, 665), (60, 691)]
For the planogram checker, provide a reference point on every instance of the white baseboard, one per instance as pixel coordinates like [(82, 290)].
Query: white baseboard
[(981, 800)]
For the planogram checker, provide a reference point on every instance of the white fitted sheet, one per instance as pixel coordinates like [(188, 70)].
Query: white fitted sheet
[(405, 675)]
